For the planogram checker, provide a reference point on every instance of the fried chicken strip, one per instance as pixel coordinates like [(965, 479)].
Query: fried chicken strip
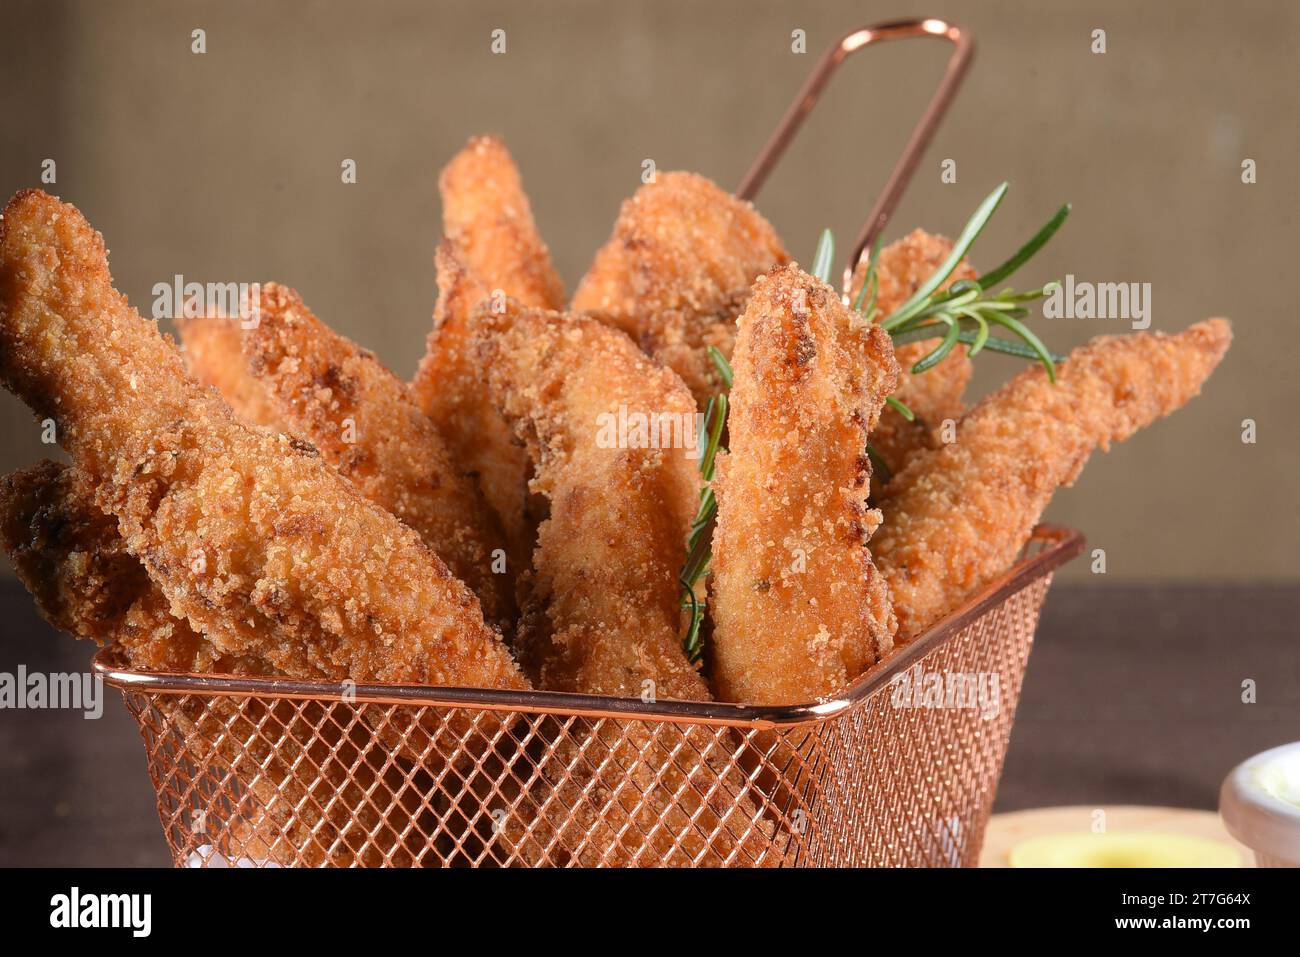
[(799, 610), (486, 213), (677, 272), (451, 390), (604, 609), (933, 395), (364, 422), (491, 245), (214, 357), (251, 536), (69, 555), (957, 516), (604, 615)]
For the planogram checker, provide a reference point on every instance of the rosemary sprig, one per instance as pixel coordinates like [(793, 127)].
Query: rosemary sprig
[(1005, 346), (963, 313), (699, 551), (970, 232)]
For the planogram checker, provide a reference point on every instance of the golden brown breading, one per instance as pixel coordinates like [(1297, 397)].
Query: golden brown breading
[(213, 357), (799, 610), (451, 389), (933, 395), (250, 535), (69, 555), (491, 246), (957, 516), (486, 213), (677, 272), (364, 422), (604, 610), (604, 613)]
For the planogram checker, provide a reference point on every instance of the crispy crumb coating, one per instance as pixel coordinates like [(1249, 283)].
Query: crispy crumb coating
[(936, 394), (677, 272), (799, 609), (211, 348), (451, 389), (69, 555), (486, 213), (250, 535), (604, 615), (491, 246), (364, 422), (957, 516)]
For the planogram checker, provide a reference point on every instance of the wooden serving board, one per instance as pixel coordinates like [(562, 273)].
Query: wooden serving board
[(1007, 830)]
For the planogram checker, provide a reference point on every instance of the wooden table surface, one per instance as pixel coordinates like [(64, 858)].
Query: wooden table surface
[(1133, 696)]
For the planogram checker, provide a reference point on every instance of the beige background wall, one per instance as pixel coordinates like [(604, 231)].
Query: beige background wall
[(225, 167)]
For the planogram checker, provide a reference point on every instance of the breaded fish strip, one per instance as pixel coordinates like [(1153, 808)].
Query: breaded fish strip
[(957, 516), (451, 389), (214, 358), (677, 272), (69, 555), (486, 213), (933, 395), (364, 422), (799, 610), (251, 536), (604, 612)]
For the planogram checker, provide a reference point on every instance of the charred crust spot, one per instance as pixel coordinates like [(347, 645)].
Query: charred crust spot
[(55, 525), (333, 378), (805, 349)]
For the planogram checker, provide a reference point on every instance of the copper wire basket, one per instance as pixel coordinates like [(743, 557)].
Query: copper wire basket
[(256, 771), (279, 772)]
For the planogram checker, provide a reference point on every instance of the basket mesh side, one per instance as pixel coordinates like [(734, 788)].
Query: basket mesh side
[(261, 781)]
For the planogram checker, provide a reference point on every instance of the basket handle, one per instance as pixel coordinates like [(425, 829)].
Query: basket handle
[(964, 50)]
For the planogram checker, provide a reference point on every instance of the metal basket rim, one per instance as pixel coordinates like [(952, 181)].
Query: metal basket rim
[(1059, 545)]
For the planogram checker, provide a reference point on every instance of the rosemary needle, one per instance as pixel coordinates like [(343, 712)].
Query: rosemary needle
[(824, 257)]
